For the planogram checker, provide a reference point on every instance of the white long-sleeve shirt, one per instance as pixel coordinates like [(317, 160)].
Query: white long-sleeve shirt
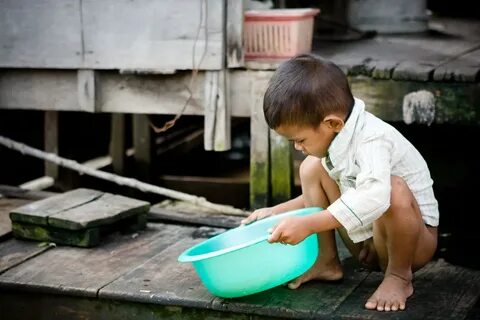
[(361, 159)]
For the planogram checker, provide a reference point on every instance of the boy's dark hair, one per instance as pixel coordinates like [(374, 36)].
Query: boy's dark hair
[(304, 90)]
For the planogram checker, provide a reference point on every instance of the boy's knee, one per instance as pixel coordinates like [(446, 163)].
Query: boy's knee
[(401, 196), (311, 169)]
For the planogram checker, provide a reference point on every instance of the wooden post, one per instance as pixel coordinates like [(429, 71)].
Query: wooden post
[(142, 138), (117, 142), (281, 168), (210, 108), (217, 111), (234, 34), (259, 148), (51, 141), (222, 138)]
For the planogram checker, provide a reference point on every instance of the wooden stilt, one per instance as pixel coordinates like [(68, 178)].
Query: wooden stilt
[(281, 168), (117, 143), (142, 137), (51, 141), (259, 149)]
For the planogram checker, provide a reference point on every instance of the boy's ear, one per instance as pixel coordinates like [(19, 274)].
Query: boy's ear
[(334, 122)]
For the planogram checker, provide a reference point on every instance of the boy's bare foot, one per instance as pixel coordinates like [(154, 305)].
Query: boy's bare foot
[(391, 294), (323, 269)]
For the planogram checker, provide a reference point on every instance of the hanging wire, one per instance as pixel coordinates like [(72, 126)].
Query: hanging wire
[(195, 68)]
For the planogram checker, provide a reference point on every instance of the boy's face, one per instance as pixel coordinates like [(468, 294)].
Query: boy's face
[(312, 141)]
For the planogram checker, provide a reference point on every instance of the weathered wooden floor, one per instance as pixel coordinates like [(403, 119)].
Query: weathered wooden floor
[(137, 275)]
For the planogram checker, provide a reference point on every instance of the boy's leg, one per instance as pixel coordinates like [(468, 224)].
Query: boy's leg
[(320, 190), (403, 244)]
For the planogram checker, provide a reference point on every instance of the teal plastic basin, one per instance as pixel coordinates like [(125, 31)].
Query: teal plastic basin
[(241, 261)]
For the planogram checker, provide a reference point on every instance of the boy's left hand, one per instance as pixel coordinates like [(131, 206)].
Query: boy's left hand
[(291, 230)]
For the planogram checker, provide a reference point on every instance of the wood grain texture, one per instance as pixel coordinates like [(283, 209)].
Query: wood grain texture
[(39, 211), (82, 272)]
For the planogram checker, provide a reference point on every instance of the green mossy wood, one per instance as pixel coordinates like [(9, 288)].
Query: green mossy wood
[(78, 217)]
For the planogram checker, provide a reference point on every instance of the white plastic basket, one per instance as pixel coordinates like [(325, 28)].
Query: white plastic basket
[(278, 33)]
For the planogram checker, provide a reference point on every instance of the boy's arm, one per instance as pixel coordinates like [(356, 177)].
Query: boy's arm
[(293, 204)]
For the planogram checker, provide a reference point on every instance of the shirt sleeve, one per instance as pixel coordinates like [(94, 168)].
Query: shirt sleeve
[(370, 198)]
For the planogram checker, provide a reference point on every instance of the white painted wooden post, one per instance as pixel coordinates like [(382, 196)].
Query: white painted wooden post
[(210, 106), (234, 34), (222, 137), (217, 111)]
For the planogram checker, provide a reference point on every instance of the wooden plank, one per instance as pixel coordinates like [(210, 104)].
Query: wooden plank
[(194, 218), (384, 69), (38, 89), (117, 143), (217, 111), (81, 238), (234, 34), (142, 143), (86, 89), (39, 211), (223, 121), (455, 102), (442, 291), (81, 272), (162, 280), (116, 38), (20, 194), (259, 147), (210, 107), (412, 70), (464, 69), (6, 205), (40, 34), (23, 305), (118, 93), (314, 300), (281, 168), (13, 252), (51, 141), (160, 94), (104, 210)]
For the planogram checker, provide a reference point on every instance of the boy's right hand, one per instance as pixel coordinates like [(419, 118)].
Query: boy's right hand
[(258, 215)]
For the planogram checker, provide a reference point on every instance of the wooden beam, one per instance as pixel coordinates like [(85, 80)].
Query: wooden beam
[(281, 168), (217, 111), (142, 143), (20, 193), (51, 141), (117, 143), (223, 123), (259, 147), (210, 106), (234, 34), (454, 102)]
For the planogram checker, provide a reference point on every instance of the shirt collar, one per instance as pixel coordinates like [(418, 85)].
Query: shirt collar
[(343, 139)]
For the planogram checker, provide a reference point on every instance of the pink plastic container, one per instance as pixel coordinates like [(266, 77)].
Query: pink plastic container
[(278, 33)]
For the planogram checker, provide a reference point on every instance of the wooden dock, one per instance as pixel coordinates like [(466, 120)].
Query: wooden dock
[(137, 275)]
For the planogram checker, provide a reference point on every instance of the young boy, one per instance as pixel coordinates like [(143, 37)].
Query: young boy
[(374, 184)]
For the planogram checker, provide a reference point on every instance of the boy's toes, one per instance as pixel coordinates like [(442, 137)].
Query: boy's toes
[(295, 283), (371, 304), (388, 306), (381, 305), (395, 306)]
